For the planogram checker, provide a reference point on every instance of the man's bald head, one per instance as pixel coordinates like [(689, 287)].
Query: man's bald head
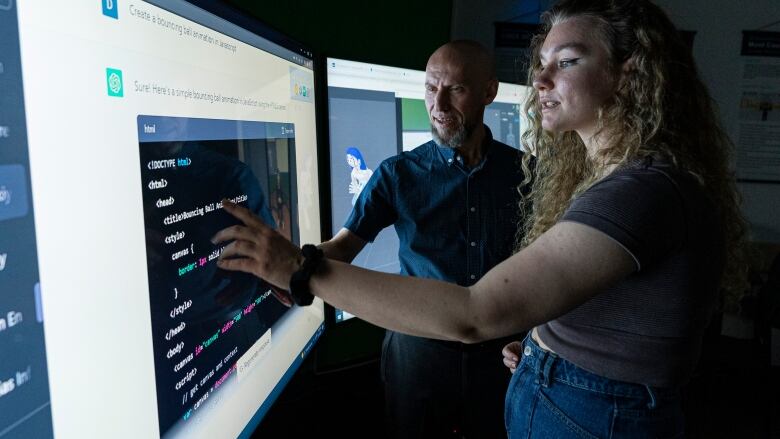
[(460, 80), (474, 58)]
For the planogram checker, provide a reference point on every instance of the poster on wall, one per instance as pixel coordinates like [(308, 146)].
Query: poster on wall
[(758, 138)]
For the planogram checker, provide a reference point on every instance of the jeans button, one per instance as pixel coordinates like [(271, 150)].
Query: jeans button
[(527, 351)]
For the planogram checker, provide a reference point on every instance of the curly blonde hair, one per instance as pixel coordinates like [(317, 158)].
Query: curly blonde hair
[(661, 107)]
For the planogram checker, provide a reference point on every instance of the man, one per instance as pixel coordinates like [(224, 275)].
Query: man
[(454, 203)]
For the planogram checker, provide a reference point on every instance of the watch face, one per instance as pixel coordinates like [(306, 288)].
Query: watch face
[(299, 288), (299, 282)]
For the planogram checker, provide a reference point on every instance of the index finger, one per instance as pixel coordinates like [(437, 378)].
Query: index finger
[(243, 214)]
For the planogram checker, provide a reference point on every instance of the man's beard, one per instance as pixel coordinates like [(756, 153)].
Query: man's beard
[(456, 139)]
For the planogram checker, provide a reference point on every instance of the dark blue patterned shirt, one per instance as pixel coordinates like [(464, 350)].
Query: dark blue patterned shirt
[(454, 223)]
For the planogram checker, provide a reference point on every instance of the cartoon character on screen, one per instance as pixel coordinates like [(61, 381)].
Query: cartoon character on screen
[(360, 172)]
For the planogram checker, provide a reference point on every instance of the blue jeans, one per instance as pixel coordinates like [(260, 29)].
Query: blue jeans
[(549, 397)]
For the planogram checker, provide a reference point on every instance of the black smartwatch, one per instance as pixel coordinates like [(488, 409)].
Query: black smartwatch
[(299, 281)]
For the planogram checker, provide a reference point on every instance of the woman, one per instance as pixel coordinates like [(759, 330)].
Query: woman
[(634, 228), (360, 173)]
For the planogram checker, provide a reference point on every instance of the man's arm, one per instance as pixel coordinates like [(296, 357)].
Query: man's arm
[(343, 247)]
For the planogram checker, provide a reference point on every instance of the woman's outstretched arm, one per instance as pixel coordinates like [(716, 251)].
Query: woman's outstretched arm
[(562, 269)]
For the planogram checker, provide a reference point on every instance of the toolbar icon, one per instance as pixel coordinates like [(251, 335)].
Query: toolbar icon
[(110, 9), (114, 82), (13, 192)]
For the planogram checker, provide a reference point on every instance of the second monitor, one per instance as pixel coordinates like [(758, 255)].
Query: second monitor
[(376, 112)]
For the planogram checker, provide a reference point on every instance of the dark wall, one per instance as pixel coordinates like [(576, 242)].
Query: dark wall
[(401, 34)]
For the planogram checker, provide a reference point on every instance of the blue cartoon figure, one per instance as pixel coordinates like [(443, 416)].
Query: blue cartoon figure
[(360, 172)]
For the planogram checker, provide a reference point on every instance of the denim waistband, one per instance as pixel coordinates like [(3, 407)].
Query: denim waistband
[(550, 367)]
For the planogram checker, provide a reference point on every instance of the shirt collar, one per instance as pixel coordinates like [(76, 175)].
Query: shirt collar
[(450, 156)]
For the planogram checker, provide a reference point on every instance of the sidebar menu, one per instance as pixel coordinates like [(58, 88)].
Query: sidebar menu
[(24, 388)]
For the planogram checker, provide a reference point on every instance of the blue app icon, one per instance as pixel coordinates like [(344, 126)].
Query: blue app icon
[(110, 8)]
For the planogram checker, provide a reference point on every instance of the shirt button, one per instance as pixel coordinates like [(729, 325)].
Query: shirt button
[(473, 244), (527, 351), (473, 209), (449, 160), (473, 276)]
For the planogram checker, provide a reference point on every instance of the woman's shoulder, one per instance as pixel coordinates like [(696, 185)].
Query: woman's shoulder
[(648, 178)]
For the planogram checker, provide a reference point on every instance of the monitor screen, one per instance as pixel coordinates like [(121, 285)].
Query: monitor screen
[(123, 126), (376, 112)]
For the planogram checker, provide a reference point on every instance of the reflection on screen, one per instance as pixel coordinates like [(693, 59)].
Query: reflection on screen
[(123, 126), (379, 111), (205, 321)]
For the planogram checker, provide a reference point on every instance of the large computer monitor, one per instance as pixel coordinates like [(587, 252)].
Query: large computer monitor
[(376, 112), (123, 124)]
